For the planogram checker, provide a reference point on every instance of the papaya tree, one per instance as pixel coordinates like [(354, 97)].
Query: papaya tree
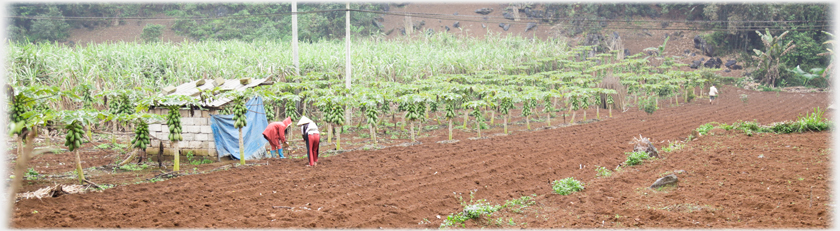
[(369, 103), (548, 107), (333, 107), (449, 101), (291, 100), (475, 106), (120, 104), (74, 122), (239, 122), (141, 139), (529, 102), (173, 104), (506, 100), (414, 105)]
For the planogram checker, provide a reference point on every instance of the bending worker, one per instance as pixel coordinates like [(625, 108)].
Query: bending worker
[(311, 137), (275, 133)]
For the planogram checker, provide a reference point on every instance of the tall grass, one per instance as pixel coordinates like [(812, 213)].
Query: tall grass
[(120, 65)]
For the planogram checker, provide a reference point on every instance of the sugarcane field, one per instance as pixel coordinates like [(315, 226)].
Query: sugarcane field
[(419, 115)]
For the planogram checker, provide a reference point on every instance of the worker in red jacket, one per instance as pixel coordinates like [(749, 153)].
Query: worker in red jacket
[(275, 133), (311, 137)]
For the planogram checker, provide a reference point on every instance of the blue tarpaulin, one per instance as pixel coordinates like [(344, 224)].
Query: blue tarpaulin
[(227, 136)]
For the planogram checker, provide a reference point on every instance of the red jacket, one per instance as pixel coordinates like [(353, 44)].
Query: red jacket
[(276, 131)]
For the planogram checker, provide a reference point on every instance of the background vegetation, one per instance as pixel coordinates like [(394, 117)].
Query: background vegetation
[(732, 26)]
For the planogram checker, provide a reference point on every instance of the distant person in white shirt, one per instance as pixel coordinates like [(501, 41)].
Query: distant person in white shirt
[(712, 94)]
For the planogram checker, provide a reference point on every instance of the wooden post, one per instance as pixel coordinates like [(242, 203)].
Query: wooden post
[(176, 165), (450, 129), (505, 121)]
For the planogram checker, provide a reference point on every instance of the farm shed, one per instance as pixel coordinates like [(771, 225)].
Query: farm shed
[(199, 134)]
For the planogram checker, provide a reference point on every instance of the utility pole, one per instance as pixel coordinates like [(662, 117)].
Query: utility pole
[(347, 76), (295, 59)]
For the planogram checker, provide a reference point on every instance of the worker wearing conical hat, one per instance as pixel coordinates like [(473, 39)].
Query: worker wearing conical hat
[(275, 133), (311, 138)]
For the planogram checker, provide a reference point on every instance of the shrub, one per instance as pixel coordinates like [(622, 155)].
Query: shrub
[(744, 98), (636, 158), (152, 33), (31, 174), (750, 127), (812, 122), (673, 146), (648, 105), (691, 96), (53, 29), (566, 186), (134, 167), (602, 171), (705, 128), (479, 209)]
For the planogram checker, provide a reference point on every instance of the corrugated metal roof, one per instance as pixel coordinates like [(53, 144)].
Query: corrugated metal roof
[(229, 85)]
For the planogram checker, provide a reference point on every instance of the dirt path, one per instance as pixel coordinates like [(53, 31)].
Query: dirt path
[(399, 186)]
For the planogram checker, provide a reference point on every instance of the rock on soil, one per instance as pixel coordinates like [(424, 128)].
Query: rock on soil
[(665, 181)]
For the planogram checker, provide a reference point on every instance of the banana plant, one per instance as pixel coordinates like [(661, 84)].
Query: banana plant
[(805, 76), (830, 53), (769, 59)]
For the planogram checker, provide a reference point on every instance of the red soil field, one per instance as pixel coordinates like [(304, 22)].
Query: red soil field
[(724, 184)]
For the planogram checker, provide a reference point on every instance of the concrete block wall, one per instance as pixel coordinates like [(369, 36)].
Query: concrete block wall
[(196, 132)]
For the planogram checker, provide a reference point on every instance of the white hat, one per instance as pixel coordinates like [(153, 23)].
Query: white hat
[(304, 120)]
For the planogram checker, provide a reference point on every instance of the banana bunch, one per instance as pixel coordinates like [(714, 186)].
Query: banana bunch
[(174, 123), (239, 115), (141, 136), (73, 140)]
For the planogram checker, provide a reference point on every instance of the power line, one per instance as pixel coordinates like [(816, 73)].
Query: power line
[(496, 19), (414, 14), (173, 18)]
